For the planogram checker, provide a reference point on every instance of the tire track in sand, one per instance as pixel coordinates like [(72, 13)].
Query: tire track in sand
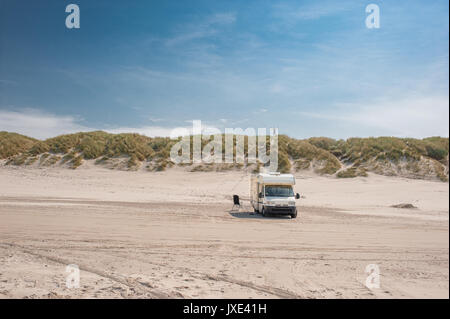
[(282, 293), (134, 284)]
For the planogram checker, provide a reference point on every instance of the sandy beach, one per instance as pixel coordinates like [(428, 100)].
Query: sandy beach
[(172, 234)]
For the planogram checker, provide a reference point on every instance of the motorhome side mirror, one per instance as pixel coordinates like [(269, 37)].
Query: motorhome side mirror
[(260, 195), (297, 196)]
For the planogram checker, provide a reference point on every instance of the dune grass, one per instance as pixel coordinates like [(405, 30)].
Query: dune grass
[(12, 144), (322, 155)]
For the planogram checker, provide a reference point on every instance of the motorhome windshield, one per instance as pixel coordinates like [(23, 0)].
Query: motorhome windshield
[(279, 191)]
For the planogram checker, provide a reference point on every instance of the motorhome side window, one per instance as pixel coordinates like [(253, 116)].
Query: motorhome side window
[(279, 191)]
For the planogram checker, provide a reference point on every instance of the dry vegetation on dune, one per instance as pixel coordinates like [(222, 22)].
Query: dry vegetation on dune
[(414, 158), (13, 143)]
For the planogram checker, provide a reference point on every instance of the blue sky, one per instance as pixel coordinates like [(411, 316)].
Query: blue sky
[(310, 68)]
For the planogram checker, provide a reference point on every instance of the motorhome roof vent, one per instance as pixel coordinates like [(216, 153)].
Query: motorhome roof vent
[(274, 173)]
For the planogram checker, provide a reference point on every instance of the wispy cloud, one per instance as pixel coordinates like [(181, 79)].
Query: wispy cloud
[(408, 117), (292, 12), (42, 125), (155, 119), (166, 131), (206, 28), (38, 124), (150, 131)]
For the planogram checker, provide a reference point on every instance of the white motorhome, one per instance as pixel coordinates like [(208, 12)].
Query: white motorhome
[(273, 193)]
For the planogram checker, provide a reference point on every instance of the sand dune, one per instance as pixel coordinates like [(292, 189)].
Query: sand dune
[(172, 234)]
